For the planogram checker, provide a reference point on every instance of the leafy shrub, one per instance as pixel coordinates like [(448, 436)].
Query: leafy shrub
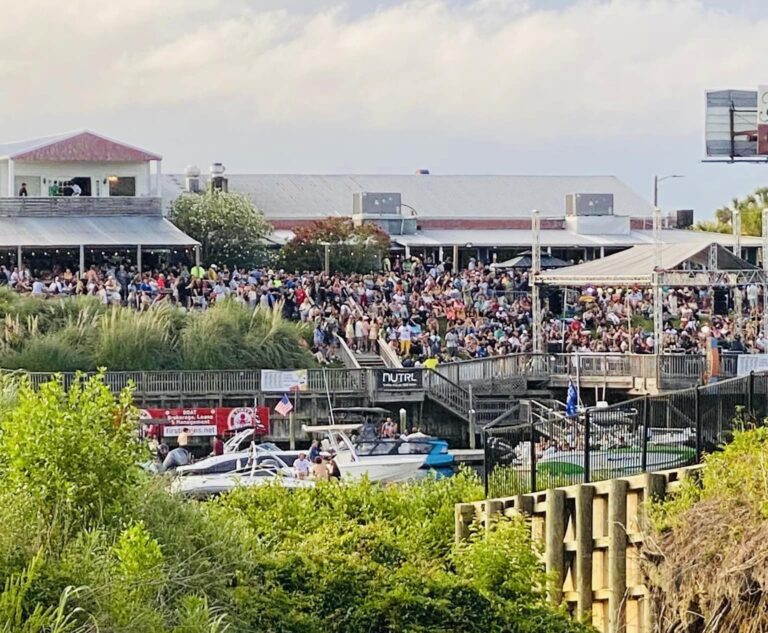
[(351, 558)]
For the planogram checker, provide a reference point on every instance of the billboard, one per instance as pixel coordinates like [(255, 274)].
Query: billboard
[(733, 124)]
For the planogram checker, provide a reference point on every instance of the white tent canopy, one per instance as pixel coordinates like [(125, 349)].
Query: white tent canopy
[(637, 265)]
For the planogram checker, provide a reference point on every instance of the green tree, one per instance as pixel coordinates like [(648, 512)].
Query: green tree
[(73, 453), (351, 249), (229, 227), (751, 210)]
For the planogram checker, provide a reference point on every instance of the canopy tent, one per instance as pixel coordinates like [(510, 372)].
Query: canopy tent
[(525, 260), (689, 265)]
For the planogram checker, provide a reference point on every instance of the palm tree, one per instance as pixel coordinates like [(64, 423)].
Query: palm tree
[(751, 210)]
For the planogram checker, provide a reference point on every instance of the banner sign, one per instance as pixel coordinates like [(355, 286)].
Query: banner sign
[(275, 381), (751, 362), (203, 421), (396, 379)]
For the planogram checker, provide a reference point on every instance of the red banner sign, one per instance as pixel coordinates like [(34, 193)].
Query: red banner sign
[(225, 420)]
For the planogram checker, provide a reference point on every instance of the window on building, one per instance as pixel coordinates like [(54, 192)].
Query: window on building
[(122, 186)]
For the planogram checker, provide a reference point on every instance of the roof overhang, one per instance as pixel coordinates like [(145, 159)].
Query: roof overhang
[(106, 231)]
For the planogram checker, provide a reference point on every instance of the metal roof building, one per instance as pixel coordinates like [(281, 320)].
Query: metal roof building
[(434, 197)]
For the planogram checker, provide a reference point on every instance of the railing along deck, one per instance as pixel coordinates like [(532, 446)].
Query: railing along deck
[(559, 368), (81, 205)]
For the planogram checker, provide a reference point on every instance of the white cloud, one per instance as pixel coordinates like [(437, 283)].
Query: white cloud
[(486, 69)]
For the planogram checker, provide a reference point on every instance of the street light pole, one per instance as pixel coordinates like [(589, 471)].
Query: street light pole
[(656, 181)]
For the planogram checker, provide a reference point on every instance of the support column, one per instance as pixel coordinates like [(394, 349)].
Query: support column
[(407, 251), (455, 258), (440, 255), (19, 260), (158, 179), (81, 274), (198, 259), (138, 258), (11, 179)]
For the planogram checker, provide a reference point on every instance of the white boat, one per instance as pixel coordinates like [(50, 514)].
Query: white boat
[(384, 468), (230, 462), (207, 485), (605, 463)]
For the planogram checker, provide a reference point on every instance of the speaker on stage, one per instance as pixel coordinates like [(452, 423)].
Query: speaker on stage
[(720, 306)]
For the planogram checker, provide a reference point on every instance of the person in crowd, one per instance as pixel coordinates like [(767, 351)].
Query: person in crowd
[(301, 466), (319, 470)]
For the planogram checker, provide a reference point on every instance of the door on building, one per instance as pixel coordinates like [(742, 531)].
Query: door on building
[(81, 181)]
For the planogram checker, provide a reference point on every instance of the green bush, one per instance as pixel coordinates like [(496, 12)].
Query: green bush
[(340, 558)]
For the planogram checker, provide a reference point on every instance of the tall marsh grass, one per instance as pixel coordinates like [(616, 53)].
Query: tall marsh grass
[(81, 334)]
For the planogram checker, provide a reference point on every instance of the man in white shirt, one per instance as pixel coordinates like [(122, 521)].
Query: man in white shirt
[(301, 466)]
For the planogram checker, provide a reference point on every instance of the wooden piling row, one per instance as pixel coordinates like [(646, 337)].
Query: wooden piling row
[(591, 536)]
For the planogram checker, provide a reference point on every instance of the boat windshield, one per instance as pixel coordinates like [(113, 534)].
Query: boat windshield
[(392, 447)]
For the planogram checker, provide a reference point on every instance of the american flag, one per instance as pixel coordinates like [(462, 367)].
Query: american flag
[(284, 407)]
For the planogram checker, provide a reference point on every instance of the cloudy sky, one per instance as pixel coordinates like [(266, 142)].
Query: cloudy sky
[(369, 86)]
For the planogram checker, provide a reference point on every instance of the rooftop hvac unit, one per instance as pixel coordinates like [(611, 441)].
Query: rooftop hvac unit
[(367, 203), (683, 218), (577, 204)]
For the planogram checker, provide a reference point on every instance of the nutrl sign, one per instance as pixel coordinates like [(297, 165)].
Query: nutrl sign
[(395, 379)]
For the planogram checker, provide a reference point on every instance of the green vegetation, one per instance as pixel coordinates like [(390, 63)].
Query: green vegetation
[(707, 543), (751, 210), (351, 249), (81, 334), (91, 543), (229, 228)]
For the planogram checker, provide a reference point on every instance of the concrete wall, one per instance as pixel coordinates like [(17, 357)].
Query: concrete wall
[(592, 536)]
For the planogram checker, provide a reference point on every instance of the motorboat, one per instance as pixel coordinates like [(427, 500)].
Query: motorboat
[(243, 440), (231, 462), (606, 460), (368, 443), (254, 474), (392, 467)]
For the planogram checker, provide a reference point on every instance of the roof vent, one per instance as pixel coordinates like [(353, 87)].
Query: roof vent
[(192, 179), (422, 172), (218, 181)]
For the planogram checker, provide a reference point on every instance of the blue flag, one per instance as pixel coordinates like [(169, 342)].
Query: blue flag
[(572, 401)]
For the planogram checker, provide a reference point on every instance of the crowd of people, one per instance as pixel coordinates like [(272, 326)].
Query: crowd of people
[(427, 313)]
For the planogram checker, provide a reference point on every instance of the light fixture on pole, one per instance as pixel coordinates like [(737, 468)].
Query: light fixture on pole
[(656, 181)]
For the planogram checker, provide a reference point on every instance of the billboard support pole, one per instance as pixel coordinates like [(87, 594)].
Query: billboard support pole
[(534, 282), (765, 272), (658, 323)]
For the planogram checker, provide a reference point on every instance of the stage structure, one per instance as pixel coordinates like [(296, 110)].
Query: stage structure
[(658, 266)]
